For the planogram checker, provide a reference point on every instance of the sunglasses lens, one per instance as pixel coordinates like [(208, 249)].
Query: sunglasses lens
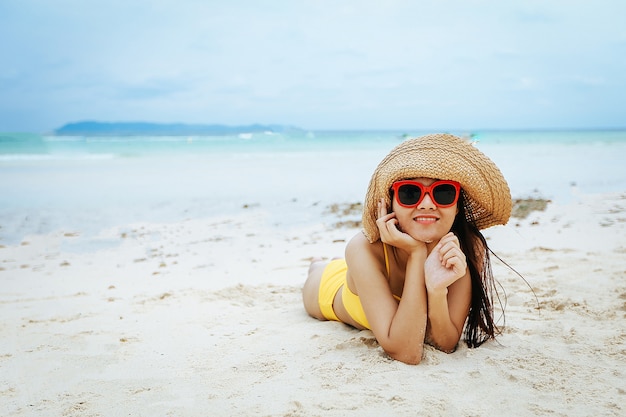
[(409, 195), (444, 194)]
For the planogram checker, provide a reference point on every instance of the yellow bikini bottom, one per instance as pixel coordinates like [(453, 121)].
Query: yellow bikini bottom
[(333, 279)]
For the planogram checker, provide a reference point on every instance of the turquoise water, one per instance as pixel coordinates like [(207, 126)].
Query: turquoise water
[(37, 147), (85, 184)]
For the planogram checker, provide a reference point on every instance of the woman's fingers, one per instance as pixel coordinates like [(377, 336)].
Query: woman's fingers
[(386, 222), (450, 254), (387, 227), (454, 261), (447, 243), (382, 208)]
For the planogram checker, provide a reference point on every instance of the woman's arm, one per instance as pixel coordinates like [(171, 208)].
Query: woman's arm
[(399, 327), (447, 312), (449, 292)]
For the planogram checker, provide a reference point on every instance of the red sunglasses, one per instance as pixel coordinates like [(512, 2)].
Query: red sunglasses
[(410, 194)]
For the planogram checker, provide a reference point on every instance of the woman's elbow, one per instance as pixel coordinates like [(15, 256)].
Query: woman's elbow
[(448, 349), (408, 356), (446, 346)]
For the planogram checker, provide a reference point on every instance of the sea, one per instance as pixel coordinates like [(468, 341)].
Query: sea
[(86, 184)]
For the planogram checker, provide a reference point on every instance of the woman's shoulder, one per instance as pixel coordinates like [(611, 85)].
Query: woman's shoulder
[(360, 242), (359, 248)]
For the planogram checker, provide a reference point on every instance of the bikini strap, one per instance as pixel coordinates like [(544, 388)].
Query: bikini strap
[(386, 260)]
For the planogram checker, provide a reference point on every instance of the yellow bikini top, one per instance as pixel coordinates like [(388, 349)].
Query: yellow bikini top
[(387, 261), (388, 268)]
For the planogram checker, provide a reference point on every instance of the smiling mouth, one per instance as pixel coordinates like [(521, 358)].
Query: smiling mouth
[(425, 219)]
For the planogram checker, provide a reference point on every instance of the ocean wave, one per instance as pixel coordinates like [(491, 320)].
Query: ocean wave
[(54, 157)]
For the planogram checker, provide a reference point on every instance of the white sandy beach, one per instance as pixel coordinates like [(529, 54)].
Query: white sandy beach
[(203, 317)]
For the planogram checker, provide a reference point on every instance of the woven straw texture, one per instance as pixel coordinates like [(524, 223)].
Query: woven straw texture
[(446, 157)]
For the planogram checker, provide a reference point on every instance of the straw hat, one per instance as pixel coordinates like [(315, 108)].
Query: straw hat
[(446, 157)]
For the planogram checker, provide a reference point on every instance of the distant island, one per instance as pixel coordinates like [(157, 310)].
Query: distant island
[(92, 128)]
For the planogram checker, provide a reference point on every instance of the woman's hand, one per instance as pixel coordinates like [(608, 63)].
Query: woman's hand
[(445, 264), (390, 234)]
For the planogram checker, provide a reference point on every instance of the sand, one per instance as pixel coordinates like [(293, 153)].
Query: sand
[(204, 317)]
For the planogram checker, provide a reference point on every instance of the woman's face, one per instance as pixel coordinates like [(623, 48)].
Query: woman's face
[(425, 222)]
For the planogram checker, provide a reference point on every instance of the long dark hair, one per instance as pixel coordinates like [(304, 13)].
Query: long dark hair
[(480, 325)]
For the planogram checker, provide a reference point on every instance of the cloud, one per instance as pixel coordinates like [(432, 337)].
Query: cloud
[(317, 63)]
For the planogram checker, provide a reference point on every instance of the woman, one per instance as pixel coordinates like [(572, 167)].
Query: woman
[(420, 271)]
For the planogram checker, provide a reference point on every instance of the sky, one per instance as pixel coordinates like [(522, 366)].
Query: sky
[(354, 64)]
